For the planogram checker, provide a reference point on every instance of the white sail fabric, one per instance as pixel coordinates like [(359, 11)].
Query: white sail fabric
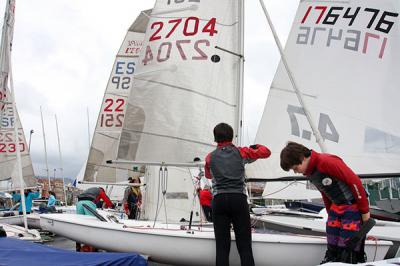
[(180, 195), (345, 58), (8, 143), (184, 85), (112, 114)]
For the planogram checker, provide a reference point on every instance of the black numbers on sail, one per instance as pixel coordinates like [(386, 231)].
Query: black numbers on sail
[(182, 1), (325, 124)]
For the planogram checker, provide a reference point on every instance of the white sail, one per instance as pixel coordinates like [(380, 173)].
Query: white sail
[(184, 85), (8, 143), (344, 56), (112, 114)]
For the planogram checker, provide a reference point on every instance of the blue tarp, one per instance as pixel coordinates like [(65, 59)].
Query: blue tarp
[(17, 252)]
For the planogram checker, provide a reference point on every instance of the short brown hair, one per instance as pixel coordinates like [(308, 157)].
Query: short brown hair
[(293, 154)]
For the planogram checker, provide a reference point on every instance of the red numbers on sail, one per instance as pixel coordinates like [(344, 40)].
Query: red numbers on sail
[(7, 143), (188, 27), (181, 38), (3, 97), (112, 114)]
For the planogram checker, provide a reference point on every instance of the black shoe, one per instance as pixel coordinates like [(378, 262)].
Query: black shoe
[(331, 254)]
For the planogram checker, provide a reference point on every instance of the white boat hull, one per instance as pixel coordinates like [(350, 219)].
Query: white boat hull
[(21, 233), (383, 230), (179, 247), (32, 219)]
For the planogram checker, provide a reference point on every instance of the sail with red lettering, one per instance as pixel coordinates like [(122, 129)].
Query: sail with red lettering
[(345, 58), (188, 80), (112, 113), (9, 143)]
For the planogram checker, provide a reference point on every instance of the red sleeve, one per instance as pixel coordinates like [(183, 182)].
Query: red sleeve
[(209, 196), (335, 167), (260, 152), (105, 198), (207, 172)]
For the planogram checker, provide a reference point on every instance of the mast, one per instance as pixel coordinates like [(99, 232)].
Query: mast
[(8, 25), (310, 119), (45, 148), (61, 161), (241, 74), (88, 126), (16, 142)]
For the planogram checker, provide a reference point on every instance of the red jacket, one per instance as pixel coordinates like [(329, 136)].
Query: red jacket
[(105, 198), (205, 197), (246, 153), (335, 167)]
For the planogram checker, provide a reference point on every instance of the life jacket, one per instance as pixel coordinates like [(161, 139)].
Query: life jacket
[(336, 190), (89, 194), (227, 170), (133, 196)]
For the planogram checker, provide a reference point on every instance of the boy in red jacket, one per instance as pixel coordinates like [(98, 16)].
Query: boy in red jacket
[(343, 194), (205, 201)]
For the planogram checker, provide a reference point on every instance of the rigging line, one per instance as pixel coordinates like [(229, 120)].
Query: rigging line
[(158, 195), (103, 165), (293, 92), (165, 177), (188, 90), (169, 137), (281, 189), (105, 135)]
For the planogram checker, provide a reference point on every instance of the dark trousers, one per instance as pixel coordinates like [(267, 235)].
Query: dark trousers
[(227, 209), (133, 212), (207, 212)]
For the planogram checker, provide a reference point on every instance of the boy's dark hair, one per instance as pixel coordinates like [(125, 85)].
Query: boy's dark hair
[(223, 132), (293, 154)]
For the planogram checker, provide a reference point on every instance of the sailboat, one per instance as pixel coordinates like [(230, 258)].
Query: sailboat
[(16, 171), (188, 79), (9, 143), (96, 172), (354, 105)]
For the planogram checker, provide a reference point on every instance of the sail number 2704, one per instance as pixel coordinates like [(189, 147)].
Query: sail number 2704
[(177, 34)]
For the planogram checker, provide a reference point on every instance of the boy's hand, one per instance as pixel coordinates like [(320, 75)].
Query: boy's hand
[(365, 216)]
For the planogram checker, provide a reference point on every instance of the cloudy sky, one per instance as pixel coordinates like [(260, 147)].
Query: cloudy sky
[(63, 53)]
